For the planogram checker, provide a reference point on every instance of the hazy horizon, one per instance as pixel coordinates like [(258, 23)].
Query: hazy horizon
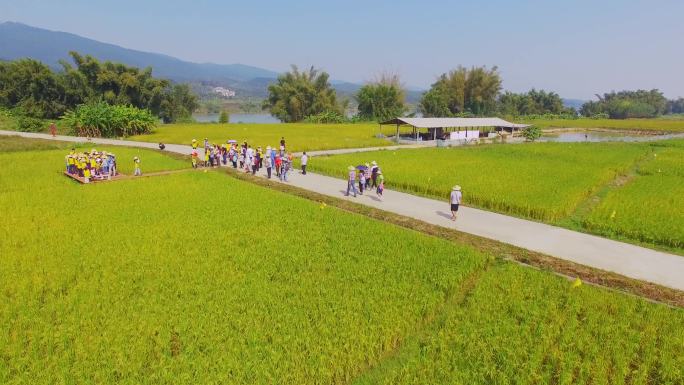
[(576, 50)]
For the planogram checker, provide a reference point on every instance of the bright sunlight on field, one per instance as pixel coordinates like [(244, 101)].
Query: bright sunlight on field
[(298, 136), (197, 277)]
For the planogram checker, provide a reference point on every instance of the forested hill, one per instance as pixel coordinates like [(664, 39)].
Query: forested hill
[(23, 41), (19, 41)]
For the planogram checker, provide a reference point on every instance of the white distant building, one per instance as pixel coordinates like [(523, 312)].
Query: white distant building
[(224, 92)]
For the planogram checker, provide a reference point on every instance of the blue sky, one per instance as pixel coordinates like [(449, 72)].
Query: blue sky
[(576, 48)]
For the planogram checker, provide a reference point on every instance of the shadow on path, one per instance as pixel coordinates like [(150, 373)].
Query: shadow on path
[(443, 214)]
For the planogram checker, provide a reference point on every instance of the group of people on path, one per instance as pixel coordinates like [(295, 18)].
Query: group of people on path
[(248, 158), (93, 165), (368, 176)]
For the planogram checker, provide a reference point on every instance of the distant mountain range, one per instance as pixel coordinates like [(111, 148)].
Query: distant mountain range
[(20, 41), (23, 41)]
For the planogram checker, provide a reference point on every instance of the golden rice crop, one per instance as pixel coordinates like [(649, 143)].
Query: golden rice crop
[(521, 326), (298, 136), (199, 278)]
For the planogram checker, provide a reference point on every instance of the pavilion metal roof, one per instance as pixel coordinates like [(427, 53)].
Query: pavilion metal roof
[(455, 122)]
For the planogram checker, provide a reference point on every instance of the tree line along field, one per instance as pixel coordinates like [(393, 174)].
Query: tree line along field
[(647, 125), (298, 136), (200, 278), (547, 182)]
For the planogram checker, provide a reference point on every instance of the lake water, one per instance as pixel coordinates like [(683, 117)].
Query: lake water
[(603, 136), (236, 118)]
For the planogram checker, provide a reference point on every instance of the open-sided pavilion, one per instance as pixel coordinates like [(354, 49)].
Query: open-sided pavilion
[(452, 128)]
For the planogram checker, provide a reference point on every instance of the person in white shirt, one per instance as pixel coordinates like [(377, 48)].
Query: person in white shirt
[(249, 154), (304, 161), (455, 200), (351, 181), (267, 163), (374, 174)]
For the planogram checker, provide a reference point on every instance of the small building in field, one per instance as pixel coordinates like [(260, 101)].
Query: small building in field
[(456, 129)]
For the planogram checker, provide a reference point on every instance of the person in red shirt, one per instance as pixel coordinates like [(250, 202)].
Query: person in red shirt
[(278, 164), (53, 129)]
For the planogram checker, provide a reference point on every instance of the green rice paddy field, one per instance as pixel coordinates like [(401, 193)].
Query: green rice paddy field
[(649, 125), (650, 207), (550, 182), (298, 136), (196, 277)]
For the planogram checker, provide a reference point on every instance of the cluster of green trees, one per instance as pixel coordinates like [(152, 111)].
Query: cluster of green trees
[(532, 103), (463, 91), (631, 104), (477, 91), (299, 94), (308, 96), (34, 90), (382, 99)]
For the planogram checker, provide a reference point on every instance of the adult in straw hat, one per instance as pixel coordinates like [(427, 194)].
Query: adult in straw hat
[(374, 173), (455, 200)]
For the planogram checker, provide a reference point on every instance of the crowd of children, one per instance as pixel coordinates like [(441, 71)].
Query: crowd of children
[(93, 165), (244, 157)]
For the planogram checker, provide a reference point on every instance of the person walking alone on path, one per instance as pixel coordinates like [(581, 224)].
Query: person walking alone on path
[(351, 181), (455, 200), (304, 161), (53, 129)]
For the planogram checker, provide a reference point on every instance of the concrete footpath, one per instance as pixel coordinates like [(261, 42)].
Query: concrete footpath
[(622, 258)]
